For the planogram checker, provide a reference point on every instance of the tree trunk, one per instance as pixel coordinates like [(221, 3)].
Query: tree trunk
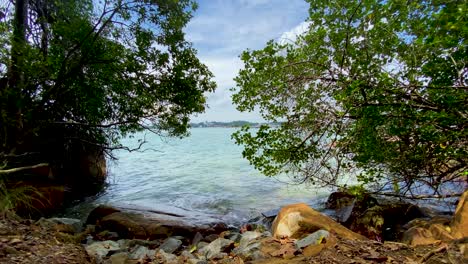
[(13, 91)]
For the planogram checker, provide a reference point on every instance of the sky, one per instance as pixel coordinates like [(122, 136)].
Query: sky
[(221, 29)]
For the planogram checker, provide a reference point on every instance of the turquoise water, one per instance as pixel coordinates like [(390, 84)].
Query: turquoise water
[(203, 176)]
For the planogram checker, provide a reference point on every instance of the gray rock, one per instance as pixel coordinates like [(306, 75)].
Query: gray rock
[(141, 252), (211, 238), (187, 255), (119, 258), (129, 243), (170, 245), (197, 238), (247, 237), (312, 239), (215, 247), (234, 236), (100, 249), (77, 224), (201, 245), (249, 252)]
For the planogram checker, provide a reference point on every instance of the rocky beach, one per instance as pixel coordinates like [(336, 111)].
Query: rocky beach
[(297, 234)]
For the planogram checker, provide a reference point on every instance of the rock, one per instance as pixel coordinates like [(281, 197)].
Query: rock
[(214, 248), (77, 224), (107, 235), (234, 260), (8, 250), (250, 251), (440, 232), (379, 222), (119, 258), (100, 249), (313, 250), (348, 205), (299, 220), (312, 239), (459, 223), (141, 252), (197, 238), (100, 212), (187, 255), (234, 236), (129, 224), (124, 224), (338, 200), (210, 238), (170, 245), (417, 236), (247, 237), (164, 257)]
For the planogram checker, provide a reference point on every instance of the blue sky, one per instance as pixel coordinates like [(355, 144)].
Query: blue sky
[(221, 29)]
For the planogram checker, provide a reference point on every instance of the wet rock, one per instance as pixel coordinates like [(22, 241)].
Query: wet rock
[(141, 252), (214, 248), (170, 245), (100, 249), (459, 223), (417, 236), (100, 212), (313, 239), (299, 220), (124, 224)]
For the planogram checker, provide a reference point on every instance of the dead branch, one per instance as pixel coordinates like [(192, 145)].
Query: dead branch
[(18, 169)]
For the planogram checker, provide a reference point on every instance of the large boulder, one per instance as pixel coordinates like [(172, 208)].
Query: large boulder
[(299, 220), (384, 222), (459, 223), (348, 206), (135, 224)]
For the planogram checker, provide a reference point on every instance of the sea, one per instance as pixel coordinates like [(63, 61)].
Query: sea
[(203, 177)]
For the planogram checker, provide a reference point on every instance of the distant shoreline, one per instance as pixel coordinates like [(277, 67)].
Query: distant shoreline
[(233, 124)]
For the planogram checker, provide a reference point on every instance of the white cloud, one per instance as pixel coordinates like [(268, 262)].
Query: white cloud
[(222, 29), (291, 36)]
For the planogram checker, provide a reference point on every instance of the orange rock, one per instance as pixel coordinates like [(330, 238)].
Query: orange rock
[(460, 218), (417, 236), (299, 220), (440, 232)]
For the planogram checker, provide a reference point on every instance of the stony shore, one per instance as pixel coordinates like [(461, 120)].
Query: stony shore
[(298, 234)]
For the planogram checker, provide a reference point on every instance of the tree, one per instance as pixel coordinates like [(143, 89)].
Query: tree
[(85, 73), (374, 89)]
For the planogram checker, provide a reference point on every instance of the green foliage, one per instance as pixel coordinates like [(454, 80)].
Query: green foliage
[(91, 72), (375, 89)]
